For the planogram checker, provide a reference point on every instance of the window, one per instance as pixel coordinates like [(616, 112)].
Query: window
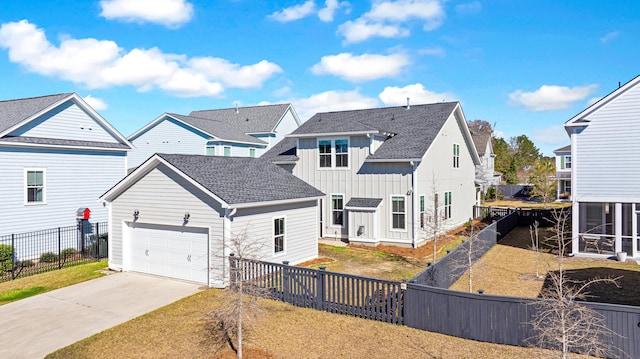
[(567, 162), (252, 152), (456, 156), (398, 212), (422, 211), (34, 186), (211, 151), (447, 205), (333, 153), (227, 151), (337, 210), (278, 235), (324, 148)]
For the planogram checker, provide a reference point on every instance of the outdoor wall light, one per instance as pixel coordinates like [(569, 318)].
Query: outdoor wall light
[(136, 214), (186, 216)]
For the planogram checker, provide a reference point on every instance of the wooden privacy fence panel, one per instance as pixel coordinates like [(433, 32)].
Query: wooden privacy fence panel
[(363, 297)]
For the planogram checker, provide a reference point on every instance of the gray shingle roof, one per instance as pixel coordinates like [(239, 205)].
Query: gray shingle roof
[(239, 180), (283, 151), (219, 129), (480, 141), (12, 112), (413, 130), (61, 142), (251, 119), (364, 202), (563, 149)]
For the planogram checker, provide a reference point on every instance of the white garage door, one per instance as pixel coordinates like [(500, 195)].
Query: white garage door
[(175, 252)]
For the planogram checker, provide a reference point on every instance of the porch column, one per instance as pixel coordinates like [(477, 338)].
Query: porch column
[(618, 224)]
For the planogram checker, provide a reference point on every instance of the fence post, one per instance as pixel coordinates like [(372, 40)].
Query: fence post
[(285, 279), (320, 295), (59, 249), (13, 256), (97, 237)]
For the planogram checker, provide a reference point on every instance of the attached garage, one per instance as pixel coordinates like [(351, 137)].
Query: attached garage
[(177, 215)]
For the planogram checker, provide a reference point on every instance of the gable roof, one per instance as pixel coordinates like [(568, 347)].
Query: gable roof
[(582, 118), (218, 129), (233, 181), (480, 141), (566, 148), (409, 131), (251, 119), (18, 112)]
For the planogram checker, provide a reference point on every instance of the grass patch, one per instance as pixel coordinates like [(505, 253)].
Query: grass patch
[(336, 249), (183, 330), (18, 289), (514, 203)]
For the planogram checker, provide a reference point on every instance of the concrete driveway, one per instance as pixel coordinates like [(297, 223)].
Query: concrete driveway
[(36, 326)]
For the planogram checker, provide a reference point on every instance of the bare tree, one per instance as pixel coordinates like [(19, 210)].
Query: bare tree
[(560, 319), (534, 233), (431, 216), (240, 302)]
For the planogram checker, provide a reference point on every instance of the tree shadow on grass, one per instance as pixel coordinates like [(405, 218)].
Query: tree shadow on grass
[(627, 294)]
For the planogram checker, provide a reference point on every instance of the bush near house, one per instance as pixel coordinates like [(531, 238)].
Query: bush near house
[(48, 257), (6, 258)]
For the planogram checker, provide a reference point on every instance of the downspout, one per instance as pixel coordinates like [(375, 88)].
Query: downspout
[(228, 213), (414, 204), (575, 212)]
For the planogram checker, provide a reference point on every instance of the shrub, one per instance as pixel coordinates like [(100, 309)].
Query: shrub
[(26, 263), (48, 257), (6, 257), (68, 253), (491, 194)]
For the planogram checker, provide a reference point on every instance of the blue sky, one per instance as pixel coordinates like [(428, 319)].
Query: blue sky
[(527, 66)]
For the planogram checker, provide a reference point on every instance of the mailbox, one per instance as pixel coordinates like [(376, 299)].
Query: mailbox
[(83, 214)]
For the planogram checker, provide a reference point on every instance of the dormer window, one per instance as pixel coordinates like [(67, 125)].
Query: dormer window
[(333, 153)]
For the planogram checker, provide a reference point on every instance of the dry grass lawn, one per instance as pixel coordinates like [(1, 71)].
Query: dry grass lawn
[(183, 330), (517, 203)]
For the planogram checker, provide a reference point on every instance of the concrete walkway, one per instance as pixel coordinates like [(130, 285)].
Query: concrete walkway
[(36, 326)]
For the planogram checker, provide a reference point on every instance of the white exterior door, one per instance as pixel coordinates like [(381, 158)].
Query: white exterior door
[(175, 252)]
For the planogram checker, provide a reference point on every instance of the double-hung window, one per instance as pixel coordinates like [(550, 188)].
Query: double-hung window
[(422, 211), (567, 162), (333, 153), (35, 186), (456, 155), (337, 210), (447, 205), (211, 151), (278, 235), (398, 212)]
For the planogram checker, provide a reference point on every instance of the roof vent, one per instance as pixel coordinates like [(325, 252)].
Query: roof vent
[(237, 109), (408, 104)]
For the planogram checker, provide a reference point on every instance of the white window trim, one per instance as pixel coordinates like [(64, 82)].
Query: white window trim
[(273, 236), (44, 186), (444, 206), (456, 165), (391, 229), (333, 153), (422, 218), (214, 147), (331, 210)]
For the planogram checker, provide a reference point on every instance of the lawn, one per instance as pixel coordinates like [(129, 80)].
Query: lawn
[(517, 203), (184, 330), (25, 287), (509, 269)]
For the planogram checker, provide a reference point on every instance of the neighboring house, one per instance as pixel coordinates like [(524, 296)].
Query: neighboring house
[(604, 174), (240, 131), (57, 155), (563, 172), (485, 172), (175, 216), (383, 170)]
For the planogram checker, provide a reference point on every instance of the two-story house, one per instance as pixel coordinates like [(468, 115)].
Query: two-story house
[(57, 155), (604, 174), (239, 132), (485, 171), (563, 172), (388, 174)]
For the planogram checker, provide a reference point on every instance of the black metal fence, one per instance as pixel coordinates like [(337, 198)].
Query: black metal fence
[(526, 216), (450, 268), (363, 297), (23, 254)]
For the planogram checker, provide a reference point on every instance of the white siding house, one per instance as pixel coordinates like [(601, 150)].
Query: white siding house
[(239, 132), (383, 170), (175, 216), (604, 174), (485, 171), (57, 155), (563, 172)]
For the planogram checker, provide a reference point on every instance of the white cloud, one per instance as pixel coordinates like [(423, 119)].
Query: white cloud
[(294, 13), (170, 13), (331, 6), (469, 8), (609, 37), (397, 96), (554, 136), (433, 51), (386, 19), (96, 103), (551, 97), (102, 63), (332, 101), (361, 68)]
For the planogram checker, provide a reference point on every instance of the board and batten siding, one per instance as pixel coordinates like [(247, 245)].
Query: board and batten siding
[(162, 198), (437, 169), (369, 180), (67, 121), (301, 223), (73, 179), (367, 219), (606, 161), (167, 136)]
